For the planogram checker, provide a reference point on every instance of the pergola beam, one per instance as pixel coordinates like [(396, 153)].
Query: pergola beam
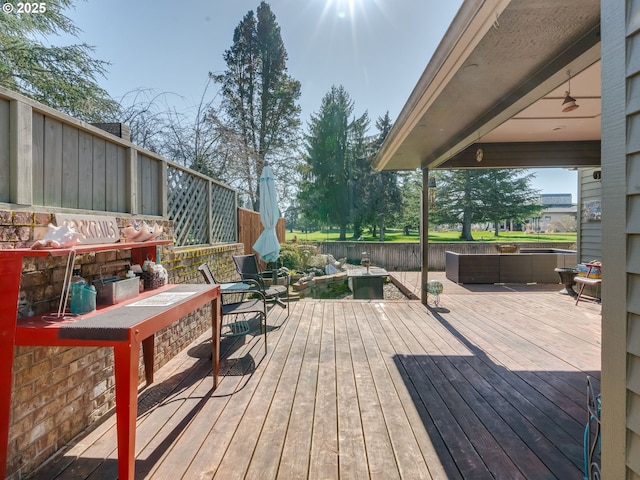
[(528, 155)]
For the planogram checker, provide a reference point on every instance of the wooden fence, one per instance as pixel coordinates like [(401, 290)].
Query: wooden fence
[(407, 256), (54, 160), (250, 227)]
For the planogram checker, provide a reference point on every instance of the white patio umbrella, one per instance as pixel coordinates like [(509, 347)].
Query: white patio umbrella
[(267, 244)]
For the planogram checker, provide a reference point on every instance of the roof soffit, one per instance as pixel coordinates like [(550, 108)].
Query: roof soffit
[(520, 54)]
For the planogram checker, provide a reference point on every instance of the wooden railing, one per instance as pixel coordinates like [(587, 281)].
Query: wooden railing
[(408, 257), (59, 162)]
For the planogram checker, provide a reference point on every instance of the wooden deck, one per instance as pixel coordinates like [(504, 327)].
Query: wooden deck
[(490, 385)]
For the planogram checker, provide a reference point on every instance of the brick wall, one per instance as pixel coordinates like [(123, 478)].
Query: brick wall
[(59, 391)]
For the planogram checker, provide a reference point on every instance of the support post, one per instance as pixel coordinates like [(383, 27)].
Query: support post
[(424, 236)]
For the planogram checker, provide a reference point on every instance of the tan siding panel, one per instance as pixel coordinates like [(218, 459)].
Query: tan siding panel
[(70, 157), (633, 95), (633, 53), (591, 190), (633, 346), (99, 173), (38, 158), (633, 17), (616, 137), (5, 184), (633, 419), (633, 174), (590, 231), (633, 461), (633, 214), (590, 254), (85, 170), (634, 300), (633, 227), (633, 262), (633, 124), (52, 162), (633, 377)]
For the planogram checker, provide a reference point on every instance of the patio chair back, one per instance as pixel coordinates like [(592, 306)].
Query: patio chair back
[(207, 274), (254, 306), (247, 266)]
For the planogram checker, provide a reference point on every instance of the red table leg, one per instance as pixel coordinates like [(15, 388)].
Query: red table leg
[(10, 268), (215, 338), (126, 375)]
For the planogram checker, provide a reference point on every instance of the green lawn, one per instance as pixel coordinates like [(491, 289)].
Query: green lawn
[(397, 236)]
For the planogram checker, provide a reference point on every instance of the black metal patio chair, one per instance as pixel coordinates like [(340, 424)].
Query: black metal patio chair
[(230, 292), (248, 268)]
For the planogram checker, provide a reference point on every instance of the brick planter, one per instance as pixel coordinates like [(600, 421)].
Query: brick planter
[(324, 286)]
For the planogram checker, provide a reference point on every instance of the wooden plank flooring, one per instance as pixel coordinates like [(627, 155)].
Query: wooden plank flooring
[(489, 385)]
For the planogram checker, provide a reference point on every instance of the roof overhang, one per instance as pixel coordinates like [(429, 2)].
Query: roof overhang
[(499, 76)]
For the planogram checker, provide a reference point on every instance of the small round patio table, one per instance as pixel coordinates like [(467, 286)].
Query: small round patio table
[(566, 278)]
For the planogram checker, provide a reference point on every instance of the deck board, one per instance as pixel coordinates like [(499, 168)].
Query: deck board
[(492, 384), (324, 455), (297, 421)]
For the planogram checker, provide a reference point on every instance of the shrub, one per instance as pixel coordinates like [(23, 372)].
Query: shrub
[(296, 256)]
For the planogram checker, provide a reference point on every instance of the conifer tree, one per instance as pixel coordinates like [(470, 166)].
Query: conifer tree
[(334, 143), (62, 77), (259, 98)]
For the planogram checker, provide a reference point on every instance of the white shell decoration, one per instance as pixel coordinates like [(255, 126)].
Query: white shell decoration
[(130, 233), (63, 236), (157, 230), (144, 234), (141, 232)]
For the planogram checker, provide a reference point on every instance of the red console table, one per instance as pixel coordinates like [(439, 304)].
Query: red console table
[(124, 327)]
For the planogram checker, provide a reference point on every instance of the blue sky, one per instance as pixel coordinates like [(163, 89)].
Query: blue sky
[(376, 49)]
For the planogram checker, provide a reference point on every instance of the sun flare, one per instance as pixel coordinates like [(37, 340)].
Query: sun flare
[(345, 8)]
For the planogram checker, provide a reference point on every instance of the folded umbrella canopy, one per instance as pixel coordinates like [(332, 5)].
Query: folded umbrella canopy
[(267, 245)]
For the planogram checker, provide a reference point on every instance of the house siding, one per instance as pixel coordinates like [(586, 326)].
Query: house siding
[(632, 170), (590, 229), (621, 250)]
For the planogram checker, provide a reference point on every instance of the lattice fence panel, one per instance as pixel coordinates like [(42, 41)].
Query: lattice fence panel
[(224, 214), (190, 199)]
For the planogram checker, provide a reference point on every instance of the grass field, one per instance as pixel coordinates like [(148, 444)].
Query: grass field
[(452, 236)]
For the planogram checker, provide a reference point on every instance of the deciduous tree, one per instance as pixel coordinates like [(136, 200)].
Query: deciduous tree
[(473, 196)]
